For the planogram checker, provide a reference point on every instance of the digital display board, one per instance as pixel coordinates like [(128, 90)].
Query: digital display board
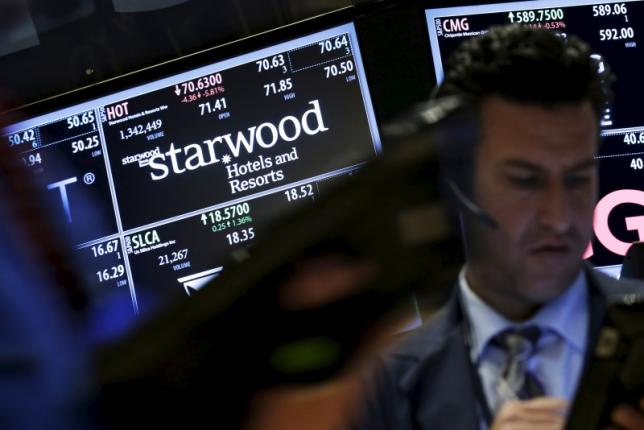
[(190, 168), (613, 29)]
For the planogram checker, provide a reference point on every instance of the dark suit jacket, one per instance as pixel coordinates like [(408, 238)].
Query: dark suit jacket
[(428, 382)]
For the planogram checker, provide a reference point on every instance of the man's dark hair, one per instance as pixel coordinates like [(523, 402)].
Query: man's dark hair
[(527, 65)]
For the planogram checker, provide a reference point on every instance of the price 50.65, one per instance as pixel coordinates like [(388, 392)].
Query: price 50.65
[(79, 120)]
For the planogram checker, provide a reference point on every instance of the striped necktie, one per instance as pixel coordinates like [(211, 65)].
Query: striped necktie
[(516, 382)]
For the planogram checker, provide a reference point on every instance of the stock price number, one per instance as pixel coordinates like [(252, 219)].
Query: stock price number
[(32, 160), (215, 106), (637, 164), (226, 214), (173, 257), (237, 237), (340, 69), (528, 16), (616, 34), (28, 136), (80, 120), (298, 193), (274, 62), (280, 86), (330, 45), (634, 138), (141, 129), (610, 9), (199, 84), (112, 273), (85, 144), (105, 248)]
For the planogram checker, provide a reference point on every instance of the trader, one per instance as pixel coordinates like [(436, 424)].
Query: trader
[(508, 349)]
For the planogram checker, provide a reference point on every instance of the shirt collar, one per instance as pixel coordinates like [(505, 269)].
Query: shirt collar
[(567, 316)]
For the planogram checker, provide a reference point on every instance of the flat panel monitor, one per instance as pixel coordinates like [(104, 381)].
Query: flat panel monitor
[(188, 167), (614, 31)]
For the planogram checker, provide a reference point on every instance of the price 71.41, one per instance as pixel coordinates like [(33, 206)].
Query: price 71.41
[(213, 106)]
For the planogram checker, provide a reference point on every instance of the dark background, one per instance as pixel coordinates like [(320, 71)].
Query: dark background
[(48, 48)]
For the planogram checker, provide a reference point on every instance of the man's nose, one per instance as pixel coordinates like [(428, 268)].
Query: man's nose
[(555, 208)]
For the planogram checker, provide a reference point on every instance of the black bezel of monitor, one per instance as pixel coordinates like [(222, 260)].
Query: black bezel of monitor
[(177, 65)]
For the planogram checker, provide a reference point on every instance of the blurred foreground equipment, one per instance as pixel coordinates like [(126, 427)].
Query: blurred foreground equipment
[(201, 360), (633, 266), (616, 371)]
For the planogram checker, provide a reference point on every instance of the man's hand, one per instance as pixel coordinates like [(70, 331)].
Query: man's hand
[(540, 413), (629, 418)]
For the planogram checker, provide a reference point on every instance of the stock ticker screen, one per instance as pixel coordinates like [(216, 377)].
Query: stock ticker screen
[(614, 31), (183, 170)]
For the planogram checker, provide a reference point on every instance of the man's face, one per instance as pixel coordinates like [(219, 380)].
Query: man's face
[(536, 176)]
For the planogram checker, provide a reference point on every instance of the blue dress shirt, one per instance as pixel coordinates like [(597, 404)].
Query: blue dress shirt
[(559, 356)]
